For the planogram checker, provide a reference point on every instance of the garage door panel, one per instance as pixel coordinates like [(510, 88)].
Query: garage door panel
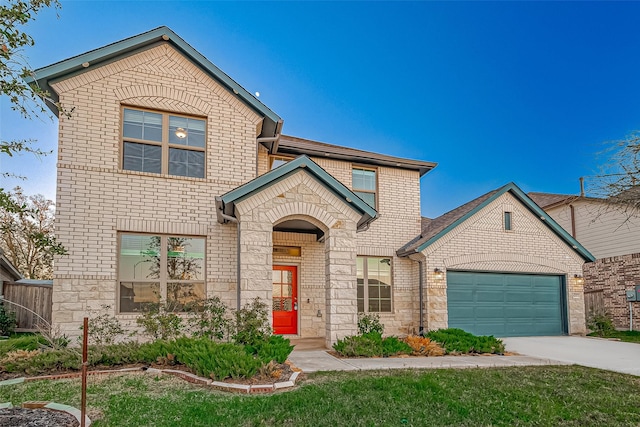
[(505, 304)]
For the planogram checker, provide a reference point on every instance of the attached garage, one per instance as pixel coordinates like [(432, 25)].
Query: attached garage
[(503, 304)]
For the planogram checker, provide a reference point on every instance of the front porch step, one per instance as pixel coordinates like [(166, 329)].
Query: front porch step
[(315, 343)]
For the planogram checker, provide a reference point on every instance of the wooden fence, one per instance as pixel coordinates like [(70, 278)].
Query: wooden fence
[(37, 302), (594, 302)]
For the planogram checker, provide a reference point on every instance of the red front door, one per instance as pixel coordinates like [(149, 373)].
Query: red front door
[(285, 299)]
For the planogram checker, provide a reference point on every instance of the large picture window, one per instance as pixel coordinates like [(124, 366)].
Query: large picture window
[(374, 284), (364, 184), (152, 269), (163, 143)]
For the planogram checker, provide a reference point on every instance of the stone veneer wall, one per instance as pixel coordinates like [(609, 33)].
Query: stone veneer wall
[(613, 277), (482, 244)]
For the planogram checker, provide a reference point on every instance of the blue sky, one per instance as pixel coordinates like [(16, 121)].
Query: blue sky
[(493, 91)]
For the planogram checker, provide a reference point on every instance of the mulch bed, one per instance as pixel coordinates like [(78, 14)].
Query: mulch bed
[(41, 417)]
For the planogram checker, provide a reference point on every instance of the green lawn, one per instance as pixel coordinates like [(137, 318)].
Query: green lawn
[(541, 396), (627, 336)]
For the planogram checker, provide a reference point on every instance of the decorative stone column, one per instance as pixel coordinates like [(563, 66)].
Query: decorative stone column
[(256, 253), (340, 275)]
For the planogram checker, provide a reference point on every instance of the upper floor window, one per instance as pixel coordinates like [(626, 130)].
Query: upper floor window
[(163, 143), (374, 284), (364, 184), (160, 268)]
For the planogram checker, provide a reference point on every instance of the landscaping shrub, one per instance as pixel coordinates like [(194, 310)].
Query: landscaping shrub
[(367, 345), (252, 323), (104, 328), (43, 362), (7, 321), (422, 346), (21, 342), (369, 322), (159, 322), (215, 360), (601, 325), (457, 341), (393, 346), (210, 319), (274, 348)]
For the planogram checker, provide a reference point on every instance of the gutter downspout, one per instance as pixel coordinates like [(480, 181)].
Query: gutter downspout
[(235, 220), (275, 139), (421, 298)]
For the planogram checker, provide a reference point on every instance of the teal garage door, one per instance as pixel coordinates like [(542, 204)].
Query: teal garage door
[(506, 305)]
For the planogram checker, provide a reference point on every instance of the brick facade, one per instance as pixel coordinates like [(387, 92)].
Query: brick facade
[(613, 277)]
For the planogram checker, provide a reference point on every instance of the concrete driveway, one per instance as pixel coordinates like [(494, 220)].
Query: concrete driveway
[(592, 352)]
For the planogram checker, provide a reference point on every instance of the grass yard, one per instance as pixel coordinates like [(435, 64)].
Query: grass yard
[(626, 336), (541, 396)]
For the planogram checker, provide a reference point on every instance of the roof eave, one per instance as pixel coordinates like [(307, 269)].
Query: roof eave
[(63, 69)]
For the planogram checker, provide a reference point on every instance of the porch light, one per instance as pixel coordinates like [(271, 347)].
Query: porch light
[(438, 274), (181, 133), (579, 279)]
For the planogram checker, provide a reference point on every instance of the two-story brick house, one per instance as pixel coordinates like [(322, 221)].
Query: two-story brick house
[(175, 183)]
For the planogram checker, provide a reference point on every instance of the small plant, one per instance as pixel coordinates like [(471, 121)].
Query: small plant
[(270, 370), (422, 346), (7, 321), (252, 323), (274, 348), (18, 356), (51, 336), (601, 325), (104, 328), (210, 319), (369, 322), (366, 345), (159, 322), (457, 341), (393, 346)]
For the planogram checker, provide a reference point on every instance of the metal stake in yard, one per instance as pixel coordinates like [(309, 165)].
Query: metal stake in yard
[(85, 344)]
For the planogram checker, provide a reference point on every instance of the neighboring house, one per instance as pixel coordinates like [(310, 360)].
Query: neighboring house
[(612, 235), (175, 183), (8, 272)]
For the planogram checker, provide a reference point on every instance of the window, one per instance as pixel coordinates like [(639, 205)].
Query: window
[(364, 184), (276, 161), (507, 221), (154, 268), (163, 143), (374, 284)]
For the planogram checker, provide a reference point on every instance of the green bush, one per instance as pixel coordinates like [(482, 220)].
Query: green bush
[(274, 348), (159, 322), (210, 319), (601, 325), (368, 322), (457, 341), (214, 360), (393, 346), (252, 323), (104, 328), (44, 362), (21, 342), (7, 321), (367, 345)]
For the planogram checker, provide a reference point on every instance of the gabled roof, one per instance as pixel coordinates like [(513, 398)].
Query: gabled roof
[(225, 204), (8, 266), (545, 200), (438, 227), (292, 145), (112, 52)]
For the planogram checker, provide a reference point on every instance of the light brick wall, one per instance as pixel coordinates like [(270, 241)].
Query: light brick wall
[(96, 199), (481, 244)]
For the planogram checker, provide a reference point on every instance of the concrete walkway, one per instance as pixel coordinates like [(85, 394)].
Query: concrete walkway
[(586, 351), (320, 360)]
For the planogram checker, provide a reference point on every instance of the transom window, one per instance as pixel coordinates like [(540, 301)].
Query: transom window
[(364, 184), (374, 284), (152, 269), (163, 143)]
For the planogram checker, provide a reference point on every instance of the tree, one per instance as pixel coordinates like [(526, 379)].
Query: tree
[(28, 235), (618, 180)]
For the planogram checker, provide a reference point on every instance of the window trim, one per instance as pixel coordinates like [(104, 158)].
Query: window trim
[(365, 294), (163, 280), (164, 144), (376, 192)]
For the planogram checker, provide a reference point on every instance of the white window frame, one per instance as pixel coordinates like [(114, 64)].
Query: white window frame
[(366, 284)]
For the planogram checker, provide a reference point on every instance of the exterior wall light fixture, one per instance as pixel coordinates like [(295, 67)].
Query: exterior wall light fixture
[(579, 279), (438, 274)]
